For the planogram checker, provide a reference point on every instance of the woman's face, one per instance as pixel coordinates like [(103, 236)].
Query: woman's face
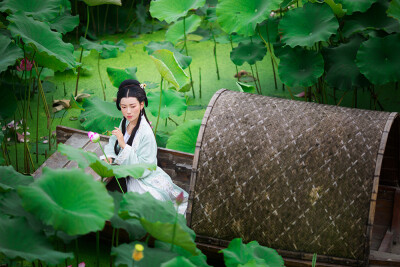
[(131, 107)]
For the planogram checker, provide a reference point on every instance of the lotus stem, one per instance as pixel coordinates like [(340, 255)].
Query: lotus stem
[(215, 52), (98, 20), (93, 20), (159, 106), (117, 30), (237, 71), (112, 244), (355, 96), (258, 78), (268, 45), (102, 150), (101, 81), (80, 57), (187, 54), (37, 130), (117, 238), (255, 81), (174, 231), (15, 146), (200, 82), (77, 252), (105, 20)]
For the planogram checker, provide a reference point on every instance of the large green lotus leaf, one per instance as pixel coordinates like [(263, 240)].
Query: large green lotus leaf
[(172, 10), (114, 52), (300, 67), (249, 52), (356, 5), (43, 10), (18, 240), (169, 68), (394, 9), (103, 46), (374, 18), (341, 69), (137, 206), (307, 25), (86, 158), (100, 116), (184, 138), (8, 101), (10, 53), (184, 61), (379, 59), (178, 261), (65, 23), (246, 88), (164, 232), (172, 103), (242, 16), (238, 253), (10, 179), (51, 52), (151, 256), (117, 76), (131, 226), (336, 8), (198, 260), (68, 200), (102, 2), (175, 32)]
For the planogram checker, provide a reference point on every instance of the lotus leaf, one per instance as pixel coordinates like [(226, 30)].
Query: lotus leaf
[(51, 52), (300, 67), (249, 52), (164, 232), (176, 31), (198, 260), (18, 240), (65, 23), (172, 103), (141, 13), (184, 61), (247, 88), (211, 14), (336, 8), (137, 206), (374, 18), (104, 45), (178, 261), (308, 25), (242, 16), (172, 10), (10, 53), (43, 10), (117, 76), (162, 138), (170, 70), (8, 102), (68, 200), (112, 53), (10, 179), (356, 5), (151, 256), (185, 136), (102, 2), (100, 116), (341, 69), (132, 226), (238, 253), (394, 9), (379, 59), (85, 159)]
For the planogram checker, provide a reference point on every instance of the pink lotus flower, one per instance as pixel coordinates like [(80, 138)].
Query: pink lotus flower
[(25, 65), (82, 264), (302, 94), (94, 137)]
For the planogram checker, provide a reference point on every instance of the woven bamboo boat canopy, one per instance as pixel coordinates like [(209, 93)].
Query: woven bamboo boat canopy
[(295, 176)]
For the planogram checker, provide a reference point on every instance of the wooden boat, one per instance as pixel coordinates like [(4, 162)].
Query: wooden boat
[(385, 246)]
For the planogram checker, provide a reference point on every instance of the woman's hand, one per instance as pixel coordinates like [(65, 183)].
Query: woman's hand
[(120, 137), (108, 160)]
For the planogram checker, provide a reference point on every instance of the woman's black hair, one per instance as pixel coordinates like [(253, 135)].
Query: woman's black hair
[(131, 88)]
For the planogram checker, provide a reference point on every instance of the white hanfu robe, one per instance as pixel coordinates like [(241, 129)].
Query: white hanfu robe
[(144, 150)]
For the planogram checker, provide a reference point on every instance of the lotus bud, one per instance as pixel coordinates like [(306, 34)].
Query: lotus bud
[(179, 199), (137, 254), (272, 14)]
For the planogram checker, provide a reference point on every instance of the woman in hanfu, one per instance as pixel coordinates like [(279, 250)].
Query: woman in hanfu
[(134, 142)]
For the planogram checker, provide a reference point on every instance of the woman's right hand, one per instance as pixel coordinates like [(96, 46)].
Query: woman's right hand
[(108, 160)]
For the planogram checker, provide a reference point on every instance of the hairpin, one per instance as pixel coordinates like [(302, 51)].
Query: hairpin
[(143, 85)]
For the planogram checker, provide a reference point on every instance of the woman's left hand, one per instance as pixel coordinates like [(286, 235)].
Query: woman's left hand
[(120, 137)]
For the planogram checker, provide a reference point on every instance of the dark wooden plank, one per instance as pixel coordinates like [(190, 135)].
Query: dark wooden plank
[(396, 215)]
